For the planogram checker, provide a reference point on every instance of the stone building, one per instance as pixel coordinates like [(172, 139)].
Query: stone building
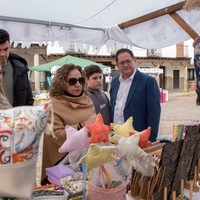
[(178, 74)]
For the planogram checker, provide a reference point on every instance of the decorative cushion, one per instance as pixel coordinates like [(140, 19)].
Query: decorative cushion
[(20, 131), (99, 131), (98, 155), (75, 143)]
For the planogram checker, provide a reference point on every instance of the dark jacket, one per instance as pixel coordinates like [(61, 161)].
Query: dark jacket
[(143, 103), (101, 103), (21, 85)]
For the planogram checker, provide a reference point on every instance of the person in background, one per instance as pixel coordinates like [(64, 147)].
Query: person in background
[(71, 106), (16, 83), (94, 78), (4, 104), (135, 94), (196, 45)]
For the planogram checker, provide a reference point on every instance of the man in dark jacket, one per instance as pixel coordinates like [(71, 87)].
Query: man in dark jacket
[(16, 83)]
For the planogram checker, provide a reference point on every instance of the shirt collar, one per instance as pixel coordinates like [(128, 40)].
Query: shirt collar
[(130, 78)]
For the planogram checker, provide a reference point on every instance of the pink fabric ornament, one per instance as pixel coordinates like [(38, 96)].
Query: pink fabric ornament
[(75, 143)]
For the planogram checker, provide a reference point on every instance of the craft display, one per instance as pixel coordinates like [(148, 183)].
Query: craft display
[(106, 166), (20, 131)]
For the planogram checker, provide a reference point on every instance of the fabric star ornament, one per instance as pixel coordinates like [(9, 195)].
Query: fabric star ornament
[(129, 148), (98, 155), (144, 138), (75, 143), (124, 129), (99, 131)]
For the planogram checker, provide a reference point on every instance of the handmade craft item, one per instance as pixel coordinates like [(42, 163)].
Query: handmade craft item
[(144, 138), (130, 151), (99, 131), (20, 131), (185, 159), (98, 155), (57, 172), (124, 129), (169, 157), (76, 142)]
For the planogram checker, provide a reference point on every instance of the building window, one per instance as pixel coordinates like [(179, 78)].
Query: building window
[(191, 75)]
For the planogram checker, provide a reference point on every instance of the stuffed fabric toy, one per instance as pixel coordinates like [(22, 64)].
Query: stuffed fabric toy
[(76, 142), (129, 147), (124, 129), (98, 155), (144, 138), (131, 152), (99, 131)]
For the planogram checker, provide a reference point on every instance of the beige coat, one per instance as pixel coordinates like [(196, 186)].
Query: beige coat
[(4, 104), (67, 111)]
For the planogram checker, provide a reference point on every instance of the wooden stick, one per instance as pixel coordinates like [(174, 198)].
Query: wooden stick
[(195, 178), (154, 181), (165, 193), (195, 188), (191, 190), (198, 169), (182, 188), (148, 190), (174, 195), (161, 182)]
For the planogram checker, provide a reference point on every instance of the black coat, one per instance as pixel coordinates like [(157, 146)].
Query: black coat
[(21, 85)]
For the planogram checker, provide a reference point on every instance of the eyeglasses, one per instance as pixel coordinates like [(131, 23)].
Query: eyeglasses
[(73, 81), (128, 62)]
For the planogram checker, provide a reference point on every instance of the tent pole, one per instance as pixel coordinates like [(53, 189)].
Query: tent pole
[(36, 74)]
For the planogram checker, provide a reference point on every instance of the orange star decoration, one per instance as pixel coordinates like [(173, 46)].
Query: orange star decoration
[(98, 155), (144, 138), (99, 131), (124, 129)]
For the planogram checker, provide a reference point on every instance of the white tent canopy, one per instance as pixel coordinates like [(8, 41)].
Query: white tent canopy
[(141, 23)]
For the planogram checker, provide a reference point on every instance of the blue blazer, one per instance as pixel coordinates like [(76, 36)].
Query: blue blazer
[(143, 103)]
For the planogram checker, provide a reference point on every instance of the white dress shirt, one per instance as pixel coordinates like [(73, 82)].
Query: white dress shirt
[(122, 95)]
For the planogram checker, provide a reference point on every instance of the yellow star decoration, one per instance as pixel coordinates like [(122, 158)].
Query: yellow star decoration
[(124, 129), (98, 155)]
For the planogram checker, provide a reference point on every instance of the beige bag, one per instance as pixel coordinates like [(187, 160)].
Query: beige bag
[(20, 131), (17, 180)]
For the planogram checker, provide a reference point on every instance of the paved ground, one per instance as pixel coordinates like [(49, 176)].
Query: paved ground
[(181, 108)]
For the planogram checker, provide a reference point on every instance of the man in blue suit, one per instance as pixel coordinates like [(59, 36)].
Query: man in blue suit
[(135, 94)]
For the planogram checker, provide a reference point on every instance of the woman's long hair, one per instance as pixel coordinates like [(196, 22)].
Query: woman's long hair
[(59, 80)]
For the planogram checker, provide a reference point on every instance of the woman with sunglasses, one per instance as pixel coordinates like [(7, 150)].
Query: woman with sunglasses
[(71, 106), (4, 104)]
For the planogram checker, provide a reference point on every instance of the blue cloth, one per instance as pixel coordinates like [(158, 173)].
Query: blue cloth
[(143, 103)]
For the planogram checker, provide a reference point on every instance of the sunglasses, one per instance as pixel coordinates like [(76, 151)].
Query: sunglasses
[(73, 81)]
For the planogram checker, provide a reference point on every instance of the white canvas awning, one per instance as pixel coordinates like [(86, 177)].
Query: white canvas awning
[(141, 23)]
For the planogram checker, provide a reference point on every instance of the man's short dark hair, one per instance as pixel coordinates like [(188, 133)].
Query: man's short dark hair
[(91, 69), (4, 36), (123, 50)]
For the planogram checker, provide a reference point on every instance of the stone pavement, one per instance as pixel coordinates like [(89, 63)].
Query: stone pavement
[(180, 108)]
